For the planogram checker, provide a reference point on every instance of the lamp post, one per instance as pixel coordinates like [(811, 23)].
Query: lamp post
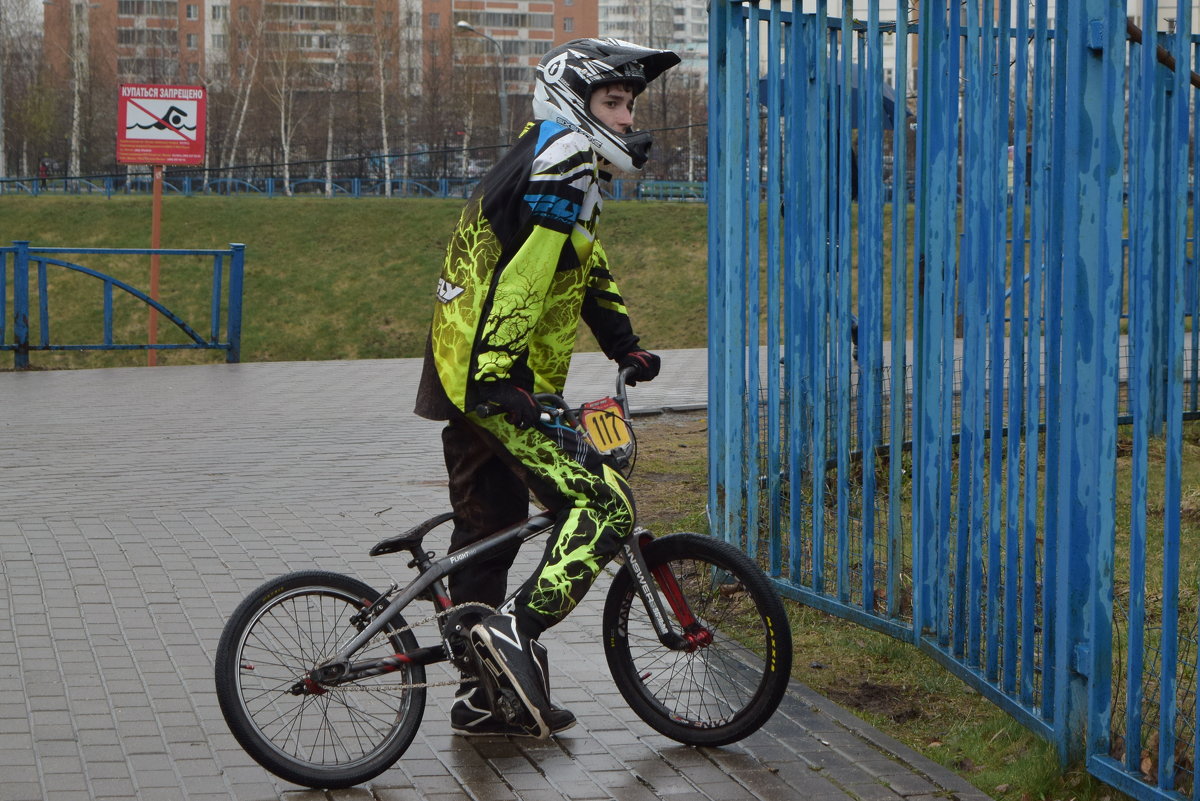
[(462, 24)]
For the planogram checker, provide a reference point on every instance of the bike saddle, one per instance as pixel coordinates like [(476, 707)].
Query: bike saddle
[(411, 539)]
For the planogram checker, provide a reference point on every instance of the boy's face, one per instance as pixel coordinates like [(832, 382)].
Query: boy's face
[(612, 105)]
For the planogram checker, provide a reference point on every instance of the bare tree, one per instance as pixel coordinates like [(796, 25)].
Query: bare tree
[(17, 47), (5, 27), (246, 71), (385, 58), (282, 84), (333, 87), (232, 67)]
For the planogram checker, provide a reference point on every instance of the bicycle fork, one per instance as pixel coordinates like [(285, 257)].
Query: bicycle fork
[(694, 634)]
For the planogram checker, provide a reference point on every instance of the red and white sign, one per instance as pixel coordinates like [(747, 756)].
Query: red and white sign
[(160, 124)]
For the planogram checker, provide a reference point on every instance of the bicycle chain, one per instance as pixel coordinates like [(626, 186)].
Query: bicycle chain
[(385, 634)]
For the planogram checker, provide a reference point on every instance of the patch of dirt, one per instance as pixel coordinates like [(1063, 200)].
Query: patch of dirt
[(886, 700)]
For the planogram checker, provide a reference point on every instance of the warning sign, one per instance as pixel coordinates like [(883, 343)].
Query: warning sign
[(160, 124)]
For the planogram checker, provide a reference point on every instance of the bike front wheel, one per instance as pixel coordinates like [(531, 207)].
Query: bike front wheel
[(731, 678), (325, 737)]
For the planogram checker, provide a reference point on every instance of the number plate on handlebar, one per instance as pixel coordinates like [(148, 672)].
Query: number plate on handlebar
[(605, 425)]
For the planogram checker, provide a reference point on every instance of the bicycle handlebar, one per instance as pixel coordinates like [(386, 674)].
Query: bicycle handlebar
[(556, 403)]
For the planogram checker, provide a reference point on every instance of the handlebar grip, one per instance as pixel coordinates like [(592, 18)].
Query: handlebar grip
[(490, 409)]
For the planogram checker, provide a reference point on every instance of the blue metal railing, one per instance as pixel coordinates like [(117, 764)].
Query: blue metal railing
[(27, 269), (948, 472), (190, 185)]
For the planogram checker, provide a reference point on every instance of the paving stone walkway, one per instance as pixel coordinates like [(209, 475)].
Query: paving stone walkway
[(138, 506)]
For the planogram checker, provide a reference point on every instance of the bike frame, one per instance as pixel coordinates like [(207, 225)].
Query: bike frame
[(431, 572), (429, 583)]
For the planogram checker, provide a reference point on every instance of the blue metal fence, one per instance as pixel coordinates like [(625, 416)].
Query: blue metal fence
[(25, 282), (189, 185), (969, 337)]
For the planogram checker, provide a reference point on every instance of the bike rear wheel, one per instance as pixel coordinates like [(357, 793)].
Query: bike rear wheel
[(732, 678), (326, 737)]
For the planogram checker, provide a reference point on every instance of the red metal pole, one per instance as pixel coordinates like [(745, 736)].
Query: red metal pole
[(155, 235)]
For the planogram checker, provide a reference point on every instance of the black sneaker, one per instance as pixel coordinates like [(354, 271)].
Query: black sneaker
[(471, 717), (559, 719), (507, 656)]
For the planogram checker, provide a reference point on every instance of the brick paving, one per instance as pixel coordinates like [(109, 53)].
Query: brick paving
[(140, 505)]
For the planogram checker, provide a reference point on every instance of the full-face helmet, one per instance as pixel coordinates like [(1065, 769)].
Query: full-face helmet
[(567, 76)]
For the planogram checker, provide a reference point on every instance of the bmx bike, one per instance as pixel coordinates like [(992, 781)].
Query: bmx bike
[(322, 681)]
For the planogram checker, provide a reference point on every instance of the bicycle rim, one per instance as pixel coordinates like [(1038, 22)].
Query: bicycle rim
[(342, 736), (731, 682)]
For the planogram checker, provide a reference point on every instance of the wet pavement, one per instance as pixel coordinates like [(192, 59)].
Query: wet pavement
[(138, 507)]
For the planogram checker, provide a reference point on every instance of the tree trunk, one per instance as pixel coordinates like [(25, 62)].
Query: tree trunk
[(3, 72), (383, 126), (285, 144), (329, 144), (240, 106)]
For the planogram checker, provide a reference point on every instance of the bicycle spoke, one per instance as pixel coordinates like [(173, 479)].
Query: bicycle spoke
[(730, 678), (289, 639)]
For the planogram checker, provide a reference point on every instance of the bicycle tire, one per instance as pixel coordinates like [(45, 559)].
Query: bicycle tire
[(723, 690), (337, 739)]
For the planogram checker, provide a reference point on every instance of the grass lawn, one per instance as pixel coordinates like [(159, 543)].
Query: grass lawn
[(326, 279)]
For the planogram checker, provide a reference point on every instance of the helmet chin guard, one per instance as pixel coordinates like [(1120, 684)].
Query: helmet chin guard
[(567, 76)]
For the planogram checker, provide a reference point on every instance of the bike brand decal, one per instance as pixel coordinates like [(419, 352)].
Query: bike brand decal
[(644, 585)]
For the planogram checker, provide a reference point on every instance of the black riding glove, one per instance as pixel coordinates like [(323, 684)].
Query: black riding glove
[(519, 406), (645, 366)]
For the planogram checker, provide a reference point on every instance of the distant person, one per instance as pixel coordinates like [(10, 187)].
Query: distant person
[(523, 267)]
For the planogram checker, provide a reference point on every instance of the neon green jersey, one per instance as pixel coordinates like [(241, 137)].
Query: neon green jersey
[(523, 267)]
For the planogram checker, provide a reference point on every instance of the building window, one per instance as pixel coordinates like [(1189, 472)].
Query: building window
[(193, 11), (435, 20), (155, 8), (193, 41), (220, 12), (568, 24)]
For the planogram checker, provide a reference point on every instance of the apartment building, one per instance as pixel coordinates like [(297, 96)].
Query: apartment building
[(193, 41), (681, 25), (523, 30)]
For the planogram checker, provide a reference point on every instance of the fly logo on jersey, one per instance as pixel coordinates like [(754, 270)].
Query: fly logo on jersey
[(447, 291)]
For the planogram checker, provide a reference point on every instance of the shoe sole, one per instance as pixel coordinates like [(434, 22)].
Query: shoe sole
[(474, 733), (495, 665), (516, 732)]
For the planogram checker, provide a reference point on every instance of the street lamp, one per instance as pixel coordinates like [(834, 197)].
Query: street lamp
[(462, 24)]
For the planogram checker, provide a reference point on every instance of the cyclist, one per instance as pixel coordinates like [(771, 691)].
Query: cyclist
[(522, 268)]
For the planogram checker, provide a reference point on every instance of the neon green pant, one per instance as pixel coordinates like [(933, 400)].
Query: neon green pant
[(591, 500)]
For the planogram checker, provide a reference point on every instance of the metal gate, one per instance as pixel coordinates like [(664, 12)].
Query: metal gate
[(951, 263)]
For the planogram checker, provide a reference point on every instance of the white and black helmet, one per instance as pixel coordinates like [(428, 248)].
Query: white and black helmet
[(567, 76)]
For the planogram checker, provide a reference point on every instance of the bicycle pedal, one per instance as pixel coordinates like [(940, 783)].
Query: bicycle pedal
[(508, 707)]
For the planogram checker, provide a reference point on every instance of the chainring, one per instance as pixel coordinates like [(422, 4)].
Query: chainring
[(456, 627)]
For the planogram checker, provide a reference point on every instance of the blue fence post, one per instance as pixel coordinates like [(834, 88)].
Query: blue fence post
[(21, 304), (235, 303)]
